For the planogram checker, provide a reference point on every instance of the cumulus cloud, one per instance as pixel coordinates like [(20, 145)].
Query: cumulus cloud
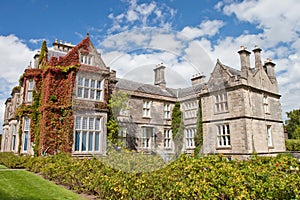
[(15, 56), (206, 28), (141, 15), (278, 19)]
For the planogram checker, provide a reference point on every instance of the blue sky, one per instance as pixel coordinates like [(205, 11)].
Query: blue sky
[(131, 35)]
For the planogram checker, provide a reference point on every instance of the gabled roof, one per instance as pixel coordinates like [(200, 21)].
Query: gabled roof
[(232, 71)]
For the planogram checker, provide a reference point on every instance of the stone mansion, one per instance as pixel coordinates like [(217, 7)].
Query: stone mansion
[(62, 105)]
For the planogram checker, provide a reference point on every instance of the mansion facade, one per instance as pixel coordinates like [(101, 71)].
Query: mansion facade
[(62, 105)]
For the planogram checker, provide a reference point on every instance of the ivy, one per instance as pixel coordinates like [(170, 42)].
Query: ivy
[(199, 133), (21, 79)]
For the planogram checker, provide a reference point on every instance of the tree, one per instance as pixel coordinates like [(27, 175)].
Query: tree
[(177, 127), (43, 54), (292, 125), (199, 133), (116, 103)]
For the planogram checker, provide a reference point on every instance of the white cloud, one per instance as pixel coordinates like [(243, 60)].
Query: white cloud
[(279, 20), (142, 15), (15, 56), (37, 41), (206, 28)]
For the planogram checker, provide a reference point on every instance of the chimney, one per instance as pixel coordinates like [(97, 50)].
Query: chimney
[(159, 76), (269, 68), (198, 79), (245, 61), (36, 59), (256, 52)]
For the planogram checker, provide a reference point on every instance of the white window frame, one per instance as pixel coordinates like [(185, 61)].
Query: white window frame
[(190, 138), (223, 135), (26, 134), (266, 104), (190, 109), (221, 102), (86, 59), (88, 131), (147, 108), (269, 136), (90, 89), (146, 137), (167, 111), (167, 138), (29, 91)]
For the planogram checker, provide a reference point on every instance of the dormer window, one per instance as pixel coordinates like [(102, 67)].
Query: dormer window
[(86, 59)]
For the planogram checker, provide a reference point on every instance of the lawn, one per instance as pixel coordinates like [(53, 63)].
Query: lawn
[(3, 167), (20, 184)]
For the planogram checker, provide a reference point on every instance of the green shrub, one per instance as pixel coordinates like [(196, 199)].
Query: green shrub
[(292, 145), (209, 177)]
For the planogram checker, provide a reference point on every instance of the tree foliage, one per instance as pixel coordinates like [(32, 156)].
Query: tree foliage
[(199, 132), (43, 53), (292, 125), (117, 102), (177, 127)]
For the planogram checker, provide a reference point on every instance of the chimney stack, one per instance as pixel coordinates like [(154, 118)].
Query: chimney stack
[(245, 61), (159, 76), (256, 52), (198, 79), (269, 68)]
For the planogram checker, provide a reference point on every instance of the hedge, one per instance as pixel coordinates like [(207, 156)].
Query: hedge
[(210, 177), (292, 145)]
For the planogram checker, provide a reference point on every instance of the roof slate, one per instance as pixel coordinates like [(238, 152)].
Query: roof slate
[(156, 90)]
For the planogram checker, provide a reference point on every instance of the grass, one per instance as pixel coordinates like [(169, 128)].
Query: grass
[(20, 184), (3, 167)]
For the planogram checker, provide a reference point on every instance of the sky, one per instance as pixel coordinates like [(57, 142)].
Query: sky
[(133, 36)]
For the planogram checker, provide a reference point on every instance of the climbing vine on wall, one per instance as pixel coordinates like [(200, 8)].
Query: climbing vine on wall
[(51, 127)]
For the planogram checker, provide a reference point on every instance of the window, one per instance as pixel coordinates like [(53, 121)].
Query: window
[(265, 104), (87, 133), (269, 133), (167, 138), (189, 138), (30, 85), (13, 144), (147, 133), (167, 111), (146, 108), (26, 133), (86, 59), (221, 103), (122, 134), (190, 110), (223, 135), (89, 88)]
